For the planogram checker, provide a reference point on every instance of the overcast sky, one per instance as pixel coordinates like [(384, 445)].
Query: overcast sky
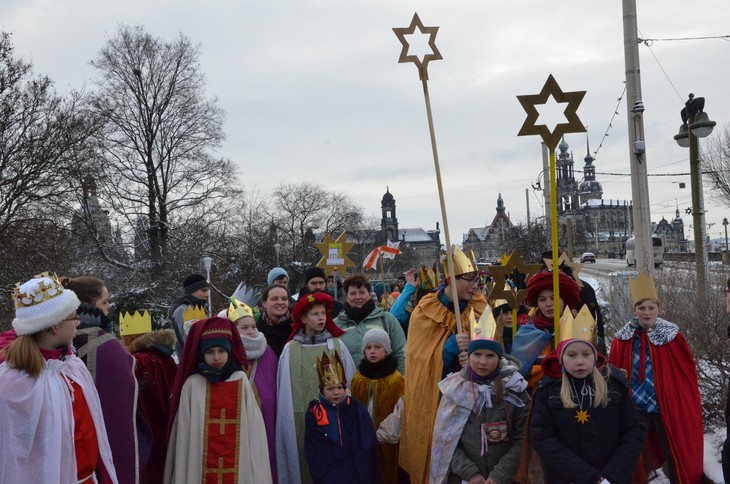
[(313, 90)]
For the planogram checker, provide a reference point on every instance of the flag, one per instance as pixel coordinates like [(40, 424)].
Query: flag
[(371, 260), (390, 250)]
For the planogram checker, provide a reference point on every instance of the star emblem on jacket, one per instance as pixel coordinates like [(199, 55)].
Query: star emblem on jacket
[(582, 416)]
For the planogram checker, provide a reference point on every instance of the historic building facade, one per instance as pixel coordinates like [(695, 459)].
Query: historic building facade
[(488, 242), (416, 243)]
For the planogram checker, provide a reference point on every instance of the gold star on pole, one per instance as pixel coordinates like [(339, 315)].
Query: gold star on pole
[(551, 88), (334, 254), (575, 267), (514, 266), (422, 65)]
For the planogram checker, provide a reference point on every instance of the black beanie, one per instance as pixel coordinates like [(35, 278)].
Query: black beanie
[(194, 282), (313, 272)]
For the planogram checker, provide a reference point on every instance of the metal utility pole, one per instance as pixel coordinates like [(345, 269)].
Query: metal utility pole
[(637, 149)]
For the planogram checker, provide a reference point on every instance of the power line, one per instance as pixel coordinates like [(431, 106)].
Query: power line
[(610, 123), (648, 45), (648, 42)]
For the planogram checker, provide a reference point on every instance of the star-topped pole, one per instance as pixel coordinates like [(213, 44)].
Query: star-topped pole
[(422, 65), (551, 139), (334, 254)]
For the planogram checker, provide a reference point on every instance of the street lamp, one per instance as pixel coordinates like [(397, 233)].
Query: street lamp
[(208, 262), (725, 222), (696, 123), (277, 251)]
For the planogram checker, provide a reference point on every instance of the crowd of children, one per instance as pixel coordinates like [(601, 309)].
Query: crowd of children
[(278, 398)]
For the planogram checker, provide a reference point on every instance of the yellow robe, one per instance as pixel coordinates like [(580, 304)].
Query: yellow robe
[(430, 325)]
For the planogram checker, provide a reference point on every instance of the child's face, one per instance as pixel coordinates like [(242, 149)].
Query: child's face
[(247, 326), (334, 393), (217, 357), (315, 320), (483, 362), (506, 318), (578, 359), (647, 311), (374, 352), (546, 303), (65, 331)]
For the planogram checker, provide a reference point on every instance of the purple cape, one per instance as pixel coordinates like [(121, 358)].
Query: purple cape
[(265, 381)]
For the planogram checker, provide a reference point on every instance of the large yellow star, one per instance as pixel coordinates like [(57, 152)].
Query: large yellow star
[(582, 416), (422, 65), (334, 254), (551, 88), (514, 265), (564, 258)]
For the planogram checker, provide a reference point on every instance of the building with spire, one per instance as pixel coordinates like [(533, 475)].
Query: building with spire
[(91, 224), (672, 233), (488, 242), (423, 245)]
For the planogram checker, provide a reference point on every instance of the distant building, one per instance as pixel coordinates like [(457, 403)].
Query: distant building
[(423, 245), (488, 242), (672, 233), (92, 226)]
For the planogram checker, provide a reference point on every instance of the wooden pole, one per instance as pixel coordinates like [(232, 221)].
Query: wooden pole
[(449, 253), (382, 275), (514, 323), (554, 223)]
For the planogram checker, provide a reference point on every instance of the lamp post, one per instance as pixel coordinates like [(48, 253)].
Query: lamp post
[(724, 223), (277, 251), (208, 262), (696, 123)]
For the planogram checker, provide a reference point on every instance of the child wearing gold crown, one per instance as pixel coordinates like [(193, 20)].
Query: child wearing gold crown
[(313, 332), (481, 418), (339, 437), (583, 424), (663, 377), (53, 428)]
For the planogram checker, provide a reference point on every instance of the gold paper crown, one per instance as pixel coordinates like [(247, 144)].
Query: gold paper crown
[(486, 327), (643, 287), (330, 371), (42, 287), (462, 264), (191, 313), (238, 310), (429, 276), (582, 326), (135, 323)]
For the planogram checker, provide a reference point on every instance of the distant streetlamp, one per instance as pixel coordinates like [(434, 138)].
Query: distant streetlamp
[(277, 251), (696, 123), (208, 262), (725, 222)]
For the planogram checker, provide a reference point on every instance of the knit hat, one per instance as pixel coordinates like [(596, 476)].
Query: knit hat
[(564, 344), (377, 335), (485, 344), (40, 303), (569, 290), (313, 272), (194, 282), (275, 274), (206, 344)]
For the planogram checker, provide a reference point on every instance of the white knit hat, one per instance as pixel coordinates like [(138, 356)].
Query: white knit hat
[(377, 335), (41, 303)]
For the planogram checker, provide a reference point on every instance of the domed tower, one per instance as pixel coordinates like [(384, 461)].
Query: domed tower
[(589, 188), (567, 188), (389, 222)]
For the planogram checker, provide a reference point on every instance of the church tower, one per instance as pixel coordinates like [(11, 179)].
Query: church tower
[(389, 222), (567, 188), (589, 188)]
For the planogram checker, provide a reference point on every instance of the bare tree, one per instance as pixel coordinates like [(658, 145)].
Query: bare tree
[(41, 137), (158, 135), (716, 164)]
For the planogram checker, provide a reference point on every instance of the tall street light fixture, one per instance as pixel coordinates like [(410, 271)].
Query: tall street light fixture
[(277, 251), (696, 123), (724, 223), (208, 262)]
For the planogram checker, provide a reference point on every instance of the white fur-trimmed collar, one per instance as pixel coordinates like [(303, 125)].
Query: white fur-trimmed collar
[(662, 333)]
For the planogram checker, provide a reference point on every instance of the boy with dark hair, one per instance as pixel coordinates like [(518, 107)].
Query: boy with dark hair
[(195, 294)]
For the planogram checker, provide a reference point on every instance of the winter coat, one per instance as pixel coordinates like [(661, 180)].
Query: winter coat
[(457, 441), (380, 319), (276, 334), (608, 445), (175, 315)]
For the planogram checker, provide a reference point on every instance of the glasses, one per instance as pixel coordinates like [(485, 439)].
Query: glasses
[(472, 282), (726, 290)]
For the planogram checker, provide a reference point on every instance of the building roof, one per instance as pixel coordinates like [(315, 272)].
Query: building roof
[(414, 235)]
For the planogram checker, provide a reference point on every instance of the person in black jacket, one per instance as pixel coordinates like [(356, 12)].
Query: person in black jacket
[(584, 425), (315, 281)]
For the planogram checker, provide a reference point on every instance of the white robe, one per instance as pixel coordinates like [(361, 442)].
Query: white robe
[(184, 462), (287, 451), (36, 415)]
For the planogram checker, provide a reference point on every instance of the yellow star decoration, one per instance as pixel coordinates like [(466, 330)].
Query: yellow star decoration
[(551, 88), (564, 258), (582, 416), (422, 65), (334, 254), (513, 266)]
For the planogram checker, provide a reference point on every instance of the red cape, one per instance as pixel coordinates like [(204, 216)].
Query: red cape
[(678, 396)]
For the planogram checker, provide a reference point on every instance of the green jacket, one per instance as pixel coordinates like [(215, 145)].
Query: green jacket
[(354, 333)]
